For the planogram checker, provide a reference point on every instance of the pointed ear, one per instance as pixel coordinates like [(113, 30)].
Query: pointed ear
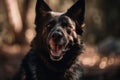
[(77, 11), (41, 10)]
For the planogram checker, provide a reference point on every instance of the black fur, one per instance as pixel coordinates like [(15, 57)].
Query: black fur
[(61, 29)]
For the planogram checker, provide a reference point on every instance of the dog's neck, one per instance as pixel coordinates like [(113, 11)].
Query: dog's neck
[(67, 62)]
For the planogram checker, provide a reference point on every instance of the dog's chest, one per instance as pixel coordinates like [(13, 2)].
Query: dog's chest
[(73, 73), (47, 74)]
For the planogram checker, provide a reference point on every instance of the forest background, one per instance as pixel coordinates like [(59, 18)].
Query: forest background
[(101, 60)]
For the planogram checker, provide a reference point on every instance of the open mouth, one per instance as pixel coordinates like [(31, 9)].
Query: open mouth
[(56, 50)]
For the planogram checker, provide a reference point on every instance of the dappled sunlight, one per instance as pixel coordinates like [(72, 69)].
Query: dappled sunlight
[(90, 61), (29, 34), (89, 57), (106, 62), (92, 58), (14, 15), (59, 5), (12, 49), (103, 63), (111, 61)]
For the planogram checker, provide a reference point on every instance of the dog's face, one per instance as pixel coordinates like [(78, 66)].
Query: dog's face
[(62, 32), (58, 31)]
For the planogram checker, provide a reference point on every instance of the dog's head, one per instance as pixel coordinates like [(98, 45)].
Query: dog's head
[(58, 32)]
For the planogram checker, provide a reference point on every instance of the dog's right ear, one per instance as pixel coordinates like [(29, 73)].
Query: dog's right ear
[(41, 9), (76, 12)]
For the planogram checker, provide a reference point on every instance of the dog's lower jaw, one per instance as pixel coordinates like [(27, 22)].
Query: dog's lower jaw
[(57, 58), (60, 56)]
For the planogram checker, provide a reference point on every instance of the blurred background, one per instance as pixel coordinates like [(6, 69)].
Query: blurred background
[(101, 57)]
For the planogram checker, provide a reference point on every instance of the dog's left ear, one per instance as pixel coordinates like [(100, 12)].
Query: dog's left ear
[(41, 10), (76, 12)]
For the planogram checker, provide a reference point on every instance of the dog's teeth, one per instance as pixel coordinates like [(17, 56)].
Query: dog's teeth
[(64, 50)]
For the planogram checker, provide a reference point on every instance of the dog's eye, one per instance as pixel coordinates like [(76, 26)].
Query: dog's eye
[(47, 25), (50, 24), (64, 24)]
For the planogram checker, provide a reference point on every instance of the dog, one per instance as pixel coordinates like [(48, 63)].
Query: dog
[(56, 48)]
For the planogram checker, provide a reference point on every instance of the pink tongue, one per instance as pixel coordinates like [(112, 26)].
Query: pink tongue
[(57, 47)]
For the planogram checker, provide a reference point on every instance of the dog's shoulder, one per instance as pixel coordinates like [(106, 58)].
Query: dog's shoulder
[(29, 60), (27, 67), (30, 56)]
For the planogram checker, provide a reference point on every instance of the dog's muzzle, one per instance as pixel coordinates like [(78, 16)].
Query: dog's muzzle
[(57, 42)]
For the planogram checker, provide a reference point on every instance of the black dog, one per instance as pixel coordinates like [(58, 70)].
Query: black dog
[(57, 45)]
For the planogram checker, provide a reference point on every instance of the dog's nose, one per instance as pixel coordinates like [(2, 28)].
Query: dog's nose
[(57, 35)]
